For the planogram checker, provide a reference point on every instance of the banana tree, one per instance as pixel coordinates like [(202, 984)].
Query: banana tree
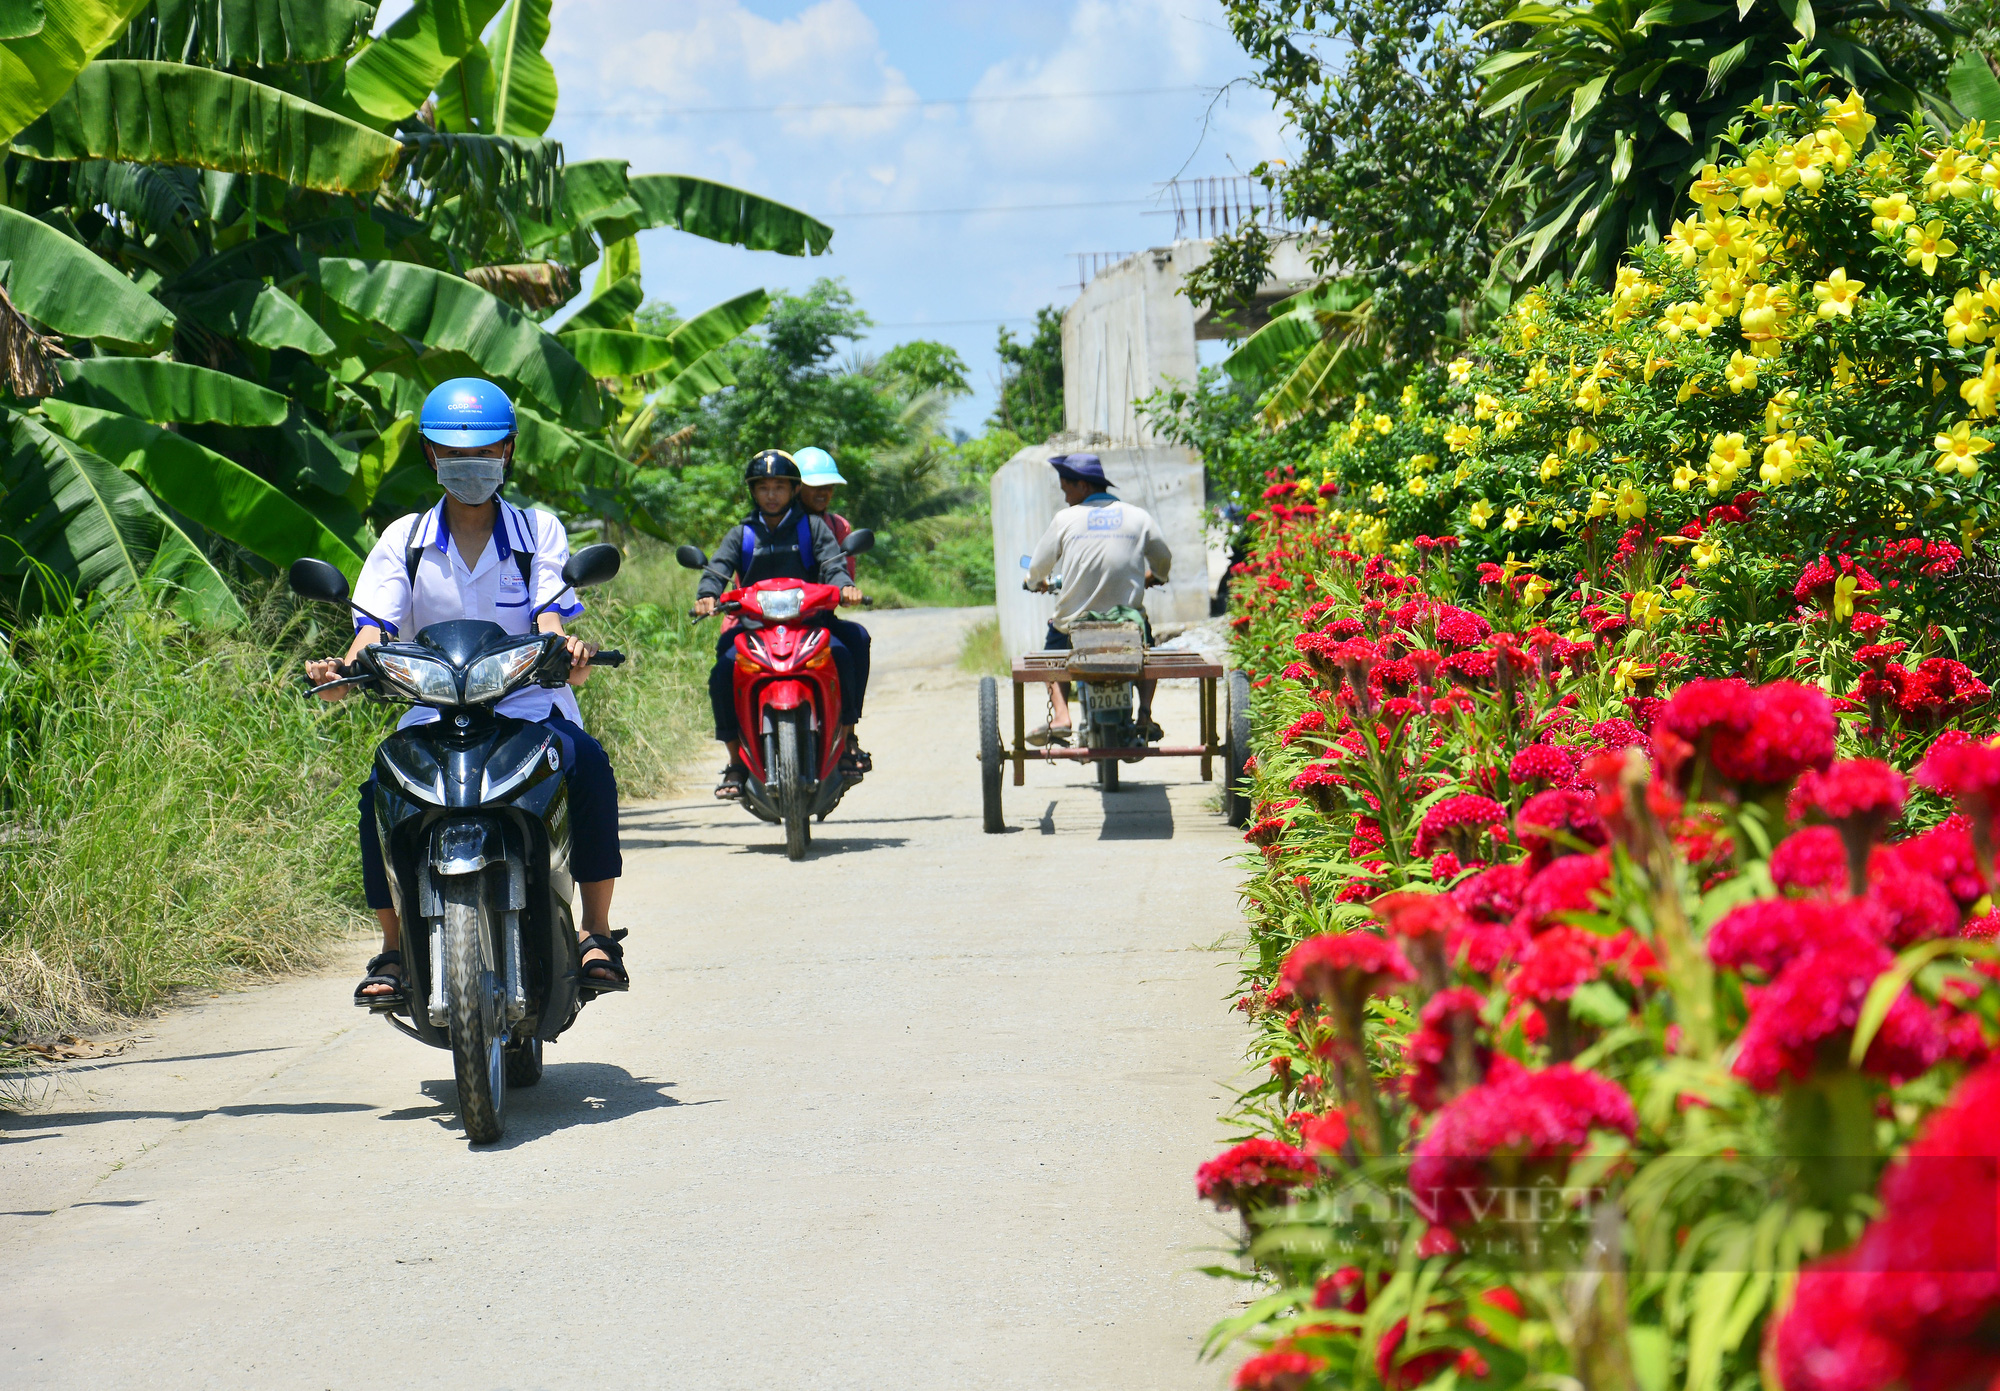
[(241, 239)]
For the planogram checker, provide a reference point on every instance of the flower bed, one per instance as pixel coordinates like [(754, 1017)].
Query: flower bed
[(1616, 1019)]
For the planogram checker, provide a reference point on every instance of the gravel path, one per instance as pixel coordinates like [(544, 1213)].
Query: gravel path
[(922, 1112)]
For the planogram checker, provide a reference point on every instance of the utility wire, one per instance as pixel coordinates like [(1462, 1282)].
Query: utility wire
[(993, 208), (889, 103)]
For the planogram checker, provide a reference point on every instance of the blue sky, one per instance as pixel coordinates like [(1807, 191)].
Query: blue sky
[(626, 67)]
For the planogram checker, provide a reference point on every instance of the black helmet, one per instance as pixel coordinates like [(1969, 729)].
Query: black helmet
[(771, 463)]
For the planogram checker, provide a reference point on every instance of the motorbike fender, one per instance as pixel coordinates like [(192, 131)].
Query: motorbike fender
[(785, 695)]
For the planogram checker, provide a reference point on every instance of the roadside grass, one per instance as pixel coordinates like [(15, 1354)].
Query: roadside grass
[(982, 653), (175, 816)]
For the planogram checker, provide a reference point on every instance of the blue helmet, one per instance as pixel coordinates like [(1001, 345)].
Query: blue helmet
[(816, 467), (467, 412)]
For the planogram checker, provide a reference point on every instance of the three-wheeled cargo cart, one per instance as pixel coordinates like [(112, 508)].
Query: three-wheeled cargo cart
[(1226, 738)]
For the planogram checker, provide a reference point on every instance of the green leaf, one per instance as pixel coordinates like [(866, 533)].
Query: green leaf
[(614, 353), (1973, 88), (1677, 122), (252, 33), (595, 188), (379, 458), (565, 461), (524, 83), (465, 94), (1882, 995), (37, 68), (170, 113), (1584, 98), (611, 306), (260, 314), (21, 19), (446, 312), (1723, 64), (724, 214), (170, 391), (223, 496), (66, 287), (390, 78), (703, 377)]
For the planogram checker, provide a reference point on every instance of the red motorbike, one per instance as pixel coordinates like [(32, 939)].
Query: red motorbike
[(787, 693)]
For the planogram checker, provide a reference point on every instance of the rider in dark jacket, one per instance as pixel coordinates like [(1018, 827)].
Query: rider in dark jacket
[(778, 540)]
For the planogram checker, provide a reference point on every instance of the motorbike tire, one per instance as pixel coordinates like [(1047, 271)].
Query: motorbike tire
[(478, 1030), (1236, 753), (991, 759), (788, 778), (1107, 774), (524, 1063)]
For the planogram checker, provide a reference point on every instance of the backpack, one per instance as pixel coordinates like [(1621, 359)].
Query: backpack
[(805, 546), (524, 560)]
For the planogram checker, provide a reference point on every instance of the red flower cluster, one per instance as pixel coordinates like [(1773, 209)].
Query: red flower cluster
[(1255, 1173), (1515, 1127), (1342, 964), (1459, 824)]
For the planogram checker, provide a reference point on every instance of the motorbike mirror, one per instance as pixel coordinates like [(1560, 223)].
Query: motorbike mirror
[(316, 579), (592, 565), (859, 540), (691, 558)]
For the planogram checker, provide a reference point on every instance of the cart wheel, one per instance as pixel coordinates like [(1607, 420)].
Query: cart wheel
[(990, 758), (1235, 785)]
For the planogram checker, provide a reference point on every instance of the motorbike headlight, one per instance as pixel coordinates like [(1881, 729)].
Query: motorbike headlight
[(425, 678), (494, 676), (781, 603)]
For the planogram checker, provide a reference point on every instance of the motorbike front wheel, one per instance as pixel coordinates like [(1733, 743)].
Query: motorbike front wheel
[(524, 1063), (789, 737), (478, 1028)]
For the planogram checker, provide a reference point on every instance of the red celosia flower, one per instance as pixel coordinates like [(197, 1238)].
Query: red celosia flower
[(1554, 764), (1914, 907), (1410, 914), (1255, 1173), (1815, 1001), (1335, 964), (1946, 853), (1312, 722), (1324, 1134), (1473, 667), (1791, 729), (1461, 628), (1492, 895), (1557, 821), (1617, 734), (1429, 1049), (1345, 1289), (1568, 885), (1855, 789), (1555, 963), (1966, 770), (1278, 1371), (1813, 860), (1515, 1128), (1767, 934), (1459, 824)]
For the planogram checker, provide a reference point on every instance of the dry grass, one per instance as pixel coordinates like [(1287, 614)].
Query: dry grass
[(982, 653)]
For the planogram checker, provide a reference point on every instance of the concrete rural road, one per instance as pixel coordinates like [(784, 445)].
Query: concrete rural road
[(922, 1112)]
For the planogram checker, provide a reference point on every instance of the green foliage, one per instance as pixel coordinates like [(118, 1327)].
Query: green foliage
[(1031, 382)]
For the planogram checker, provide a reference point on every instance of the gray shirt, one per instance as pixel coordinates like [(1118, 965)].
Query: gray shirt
[(776, 554), (1102, 548)]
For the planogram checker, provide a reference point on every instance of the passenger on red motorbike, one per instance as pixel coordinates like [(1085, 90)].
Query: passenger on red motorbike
[(778, 540)]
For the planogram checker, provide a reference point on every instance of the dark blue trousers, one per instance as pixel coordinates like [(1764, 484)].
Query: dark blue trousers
[(593, 816), (722, 680)]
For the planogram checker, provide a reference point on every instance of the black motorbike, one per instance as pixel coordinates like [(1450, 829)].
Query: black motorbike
[(473, 814)]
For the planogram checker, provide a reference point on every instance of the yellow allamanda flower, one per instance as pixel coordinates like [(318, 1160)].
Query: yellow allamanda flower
[(1799, 163), (1538, 375), (1590, 396), (1515, 516), (1705, 553), (1374, 539), (1688, 389), (1720, 232), (1379, 493), (1654, 362), (1783, 455), (1741, 374), (1843, 597), (1420, 463), (1725, 297), (1965, 319), (1647, 609), (1481, 513), (1714, 189), (1679, 243), (1565, 519), (1536, 590), (1552, 467), (1982, 393), (1758, 181), (1630, 502), (1765, 308), (1600, 504), (1411, 398), (1778, 411), (1849, 116), (1951, 175), (1580, 441), (1959, 450), (1836, 294), (1418, 487), (1684, 478), (1703, 319), (1460, 371), (1674, 322), (1839, 153), (1928, 245), (1881, 162), (1460, 439), (1892, 213), (1843, 372), (1483, 406), (1506, 423)]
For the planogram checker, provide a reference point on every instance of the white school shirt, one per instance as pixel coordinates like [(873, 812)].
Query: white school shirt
[(491, 589), (1102, 547)]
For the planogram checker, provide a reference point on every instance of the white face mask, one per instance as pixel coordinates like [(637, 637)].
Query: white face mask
[(472, 478)]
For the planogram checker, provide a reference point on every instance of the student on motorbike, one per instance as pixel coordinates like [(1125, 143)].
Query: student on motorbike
[(1107, 552), (476, 555), (818, 475), (778, 540)]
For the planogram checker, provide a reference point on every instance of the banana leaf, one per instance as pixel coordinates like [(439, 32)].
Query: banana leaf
[(703, 377), (221, 495), (390, 78), (171, 113), (611, 307), (523, 81), (170, 391), (257, 313), (248, 33), (1973, 88), (724, 214), (64, 508), (37, 68), (562, 461), (66, 287), (452, 314), (21, 19), (615, 353)]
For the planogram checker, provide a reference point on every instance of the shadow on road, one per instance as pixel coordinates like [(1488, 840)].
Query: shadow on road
[(831, 845), (44, 1120), (1138, 812), (569, 1094)]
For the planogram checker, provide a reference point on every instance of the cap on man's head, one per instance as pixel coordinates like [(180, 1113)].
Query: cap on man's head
[(1080, 468), (466, 413)]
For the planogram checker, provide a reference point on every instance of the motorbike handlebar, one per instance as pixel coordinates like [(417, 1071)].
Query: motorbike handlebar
[(608, 658)]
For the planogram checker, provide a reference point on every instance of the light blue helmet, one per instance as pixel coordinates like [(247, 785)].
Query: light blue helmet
[(467, 412), (816, 468)]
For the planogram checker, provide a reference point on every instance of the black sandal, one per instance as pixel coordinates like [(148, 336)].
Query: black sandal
[(396, 996), (855, 761), (730, 789), (615, 963)]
